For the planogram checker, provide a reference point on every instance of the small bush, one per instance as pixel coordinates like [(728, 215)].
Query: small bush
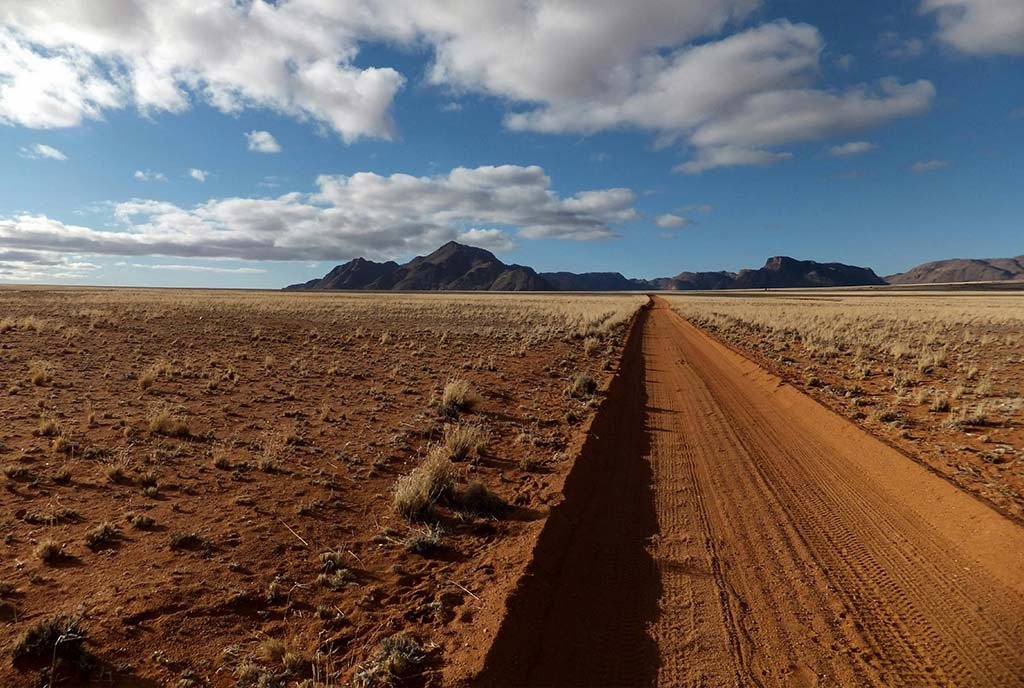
[(164, 422), (39, 373), (140, 521), (591, 345), (416, 493), (398, 656), (49, 551), (458, 397), (59, 638), (478, 499), (464, 441), (940, 402), (427, 541), (100, 536), (582, 386), (190, 541)]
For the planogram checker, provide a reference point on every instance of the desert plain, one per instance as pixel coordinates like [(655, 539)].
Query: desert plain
[(319, 489)]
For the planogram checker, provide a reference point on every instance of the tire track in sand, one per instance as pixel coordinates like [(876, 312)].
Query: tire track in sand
[(762, 540)]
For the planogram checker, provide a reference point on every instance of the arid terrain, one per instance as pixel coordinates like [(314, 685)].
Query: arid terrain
[(324, 489), (202, 485), (939, 376)]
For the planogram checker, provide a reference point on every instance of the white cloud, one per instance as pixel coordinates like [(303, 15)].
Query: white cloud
[(262, 142), (929, 165), (490, 239), (149, 176), (670, 221), (41, 266), (364, 214), (664, 66), (851, 148), (64, 61), (980, 26), (200, 268), (198, 174), (42, 151), (729, 156)]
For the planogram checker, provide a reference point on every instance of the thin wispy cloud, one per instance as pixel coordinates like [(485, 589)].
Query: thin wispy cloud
[(929, 165), (41, 151), (198, 174), (846, 150), (149, 176)]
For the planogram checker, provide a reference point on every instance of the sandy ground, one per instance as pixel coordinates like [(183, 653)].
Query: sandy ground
[(298, 414), (723, 529)]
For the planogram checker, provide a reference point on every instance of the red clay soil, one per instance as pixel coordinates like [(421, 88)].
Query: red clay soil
[(721, 528)]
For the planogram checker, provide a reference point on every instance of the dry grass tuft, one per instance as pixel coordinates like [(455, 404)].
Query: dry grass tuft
[(464, 441), (398, 656), (49, 551), (478, 499), (59, 638), (582, 386), (164, 422), (101, 536), (417, 492), (459, 397)]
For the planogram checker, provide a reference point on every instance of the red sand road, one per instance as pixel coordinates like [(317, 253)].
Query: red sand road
[(720, 528)]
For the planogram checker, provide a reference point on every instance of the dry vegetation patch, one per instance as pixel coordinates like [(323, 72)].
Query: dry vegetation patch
[(938, 374), (175, 463)]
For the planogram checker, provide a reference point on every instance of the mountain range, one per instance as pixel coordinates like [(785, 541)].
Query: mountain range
[(963, 270), (455, 266)]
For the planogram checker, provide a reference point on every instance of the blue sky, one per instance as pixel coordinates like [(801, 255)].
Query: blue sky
[(562, 135)]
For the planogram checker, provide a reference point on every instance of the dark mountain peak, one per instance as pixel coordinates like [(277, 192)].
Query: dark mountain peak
[(782, 263), (452, 266), (453, 250)]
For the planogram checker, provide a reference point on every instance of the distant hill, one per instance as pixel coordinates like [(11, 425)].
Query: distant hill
[(962, 270), (594, 281), (782, 272), (458, 267), (451, 267)]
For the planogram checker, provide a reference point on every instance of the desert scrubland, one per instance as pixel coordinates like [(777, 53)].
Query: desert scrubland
[(246, 488), (938, 375)]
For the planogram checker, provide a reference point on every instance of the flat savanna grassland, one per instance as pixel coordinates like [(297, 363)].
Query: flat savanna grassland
[(938, 375), (214, 487)]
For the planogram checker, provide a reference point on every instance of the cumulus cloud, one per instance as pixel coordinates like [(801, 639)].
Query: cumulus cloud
[(262, 142), (980, 26), (65, 61), (729, 156), (668, 67), (41, 151), (198, 174), (670, 221), (149, 176), (929, 165), (364, 214), (851, 148)]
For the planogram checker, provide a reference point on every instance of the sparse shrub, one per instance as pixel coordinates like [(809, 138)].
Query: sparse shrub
[(39, 373), (47, 427), (426, 541), (59, 638), (163, 422), (463, 440), (49, 551), (398, 656), (140, 521), (591, 345), (417, 492), (272, 650), (100, 536), (222, 462), (478, 499), (458, 397), (18, 473), (940, 402), (582, 386), (189, 541)]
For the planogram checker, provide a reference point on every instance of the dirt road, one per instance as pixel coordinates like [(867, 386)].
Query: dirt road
[(723, 529)]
